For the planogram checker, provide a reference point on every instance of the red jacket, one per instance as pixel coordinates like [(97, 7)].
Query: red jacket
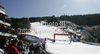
[(12, 49)]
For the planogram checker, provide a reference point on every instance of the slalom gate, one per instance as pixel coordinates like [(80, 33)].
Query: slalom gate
[(62, 34)]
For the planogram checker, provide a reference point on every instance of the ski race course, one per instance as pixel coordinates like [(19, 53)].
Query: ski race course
[(63, 45)]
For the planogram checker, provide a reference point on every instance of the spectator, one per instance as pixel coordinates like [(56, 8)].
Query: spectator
[(12, 48), (1, 28), (74, 36), (9, 30), (6, 28), (3, 43), (20, 47), (38, 50), (32, 48)]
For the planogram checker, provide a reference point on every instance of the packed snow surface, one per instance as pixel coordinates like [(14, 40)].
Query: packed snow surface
[(72, 48)]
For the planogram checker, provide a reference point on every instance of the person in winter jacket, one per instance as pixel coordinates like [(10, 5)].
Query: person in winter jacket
[(3, 43), (20, 47), (12, 48)]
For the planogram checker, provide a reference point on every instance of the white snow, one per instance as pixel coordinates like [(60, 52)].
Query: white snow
[(61, 47), (72, 48), (43, 31)]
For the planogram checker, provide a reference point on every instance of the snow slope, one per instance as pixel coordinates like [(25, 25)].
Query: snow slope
[(61, 47), (43, 31), (72, 48)]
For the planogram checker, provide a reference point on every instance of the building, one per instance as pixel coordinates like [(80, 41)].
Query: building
[(5, 24)]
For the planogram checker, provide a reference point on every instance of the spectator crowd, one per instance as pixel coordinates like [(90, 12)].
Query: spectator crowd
[(16, 46)]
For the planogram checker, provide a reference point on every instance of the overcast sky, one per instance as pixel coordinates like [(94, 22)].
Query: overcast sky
[(41, 8)]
